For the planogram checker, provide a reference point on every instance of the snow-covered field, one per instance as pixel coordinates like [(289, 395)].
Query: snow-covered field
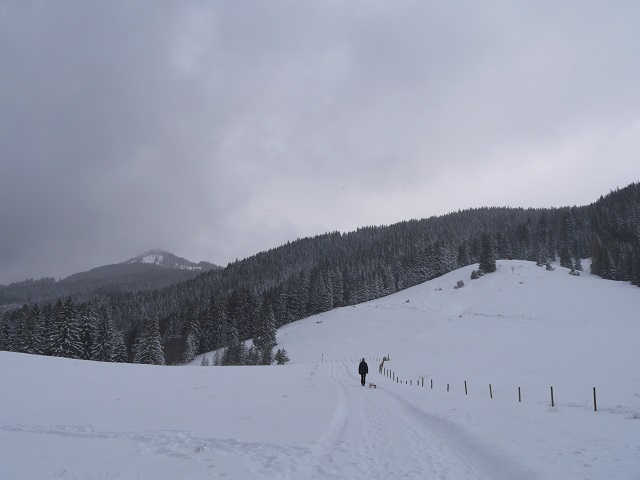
[(521, 327)]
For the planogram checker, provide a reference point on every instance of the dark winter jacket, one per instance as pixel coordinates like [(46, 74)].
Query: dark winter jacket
[(363, 369)]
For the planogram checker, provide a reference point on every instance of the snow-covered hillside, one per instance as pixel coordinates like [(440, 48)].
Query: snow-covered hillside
[(520, 327)]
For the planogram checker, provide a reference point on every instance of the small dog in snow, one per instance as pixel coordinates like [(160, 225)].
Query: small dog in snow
[(372, 385)]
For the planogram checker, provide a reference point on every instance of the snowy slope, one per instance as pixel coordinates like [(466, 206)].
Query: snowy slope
[(522, 327)]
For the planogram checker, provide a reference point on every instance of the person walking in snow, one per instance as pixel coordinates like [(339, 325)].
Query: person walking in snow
[(363, 369)]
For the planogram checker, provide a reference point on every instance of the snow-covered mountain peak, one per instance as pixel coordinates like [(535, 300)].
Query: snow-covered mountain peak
[(166, 259)]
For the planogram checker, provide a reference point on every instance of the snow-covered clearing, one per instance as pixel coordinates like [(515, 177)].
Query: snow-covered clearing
[(521, 326)]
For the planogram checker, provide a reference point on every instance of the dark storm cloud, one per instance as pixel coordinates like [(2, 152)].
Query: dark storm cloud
[(220, 129)]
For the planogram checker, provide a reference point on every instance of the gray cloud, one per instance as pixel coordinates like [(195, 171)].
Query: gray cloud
[(217, 130)]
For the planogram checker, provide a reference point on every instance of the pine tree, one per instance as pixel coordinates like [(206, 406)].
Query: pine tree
[(635, 264), (4, 333), (217, 358), (281, 356), (35, 330), (40, 331), (149, 346), (221, 326), (235, 351), (252, 356), (298, 295), (243, 310), (192, 336), (87, 326), (320, 292), (65, 337), (119, 353), (487, 257), (208, 327), (281, 306), (47, 318), (25, 330), (524, 241), (103, 348), (541, 247), (265, 338), (568, 241), (337, 287)]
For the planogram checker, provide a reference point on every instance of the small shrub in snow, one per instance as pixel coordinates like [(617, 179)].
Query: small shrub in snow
[(550, 268), (475, 275), (574, 272), (460, 284)]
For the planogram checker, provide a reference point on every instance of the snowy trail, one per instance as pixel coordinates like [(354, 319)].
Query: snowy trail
[(376, 434), (369, 433)]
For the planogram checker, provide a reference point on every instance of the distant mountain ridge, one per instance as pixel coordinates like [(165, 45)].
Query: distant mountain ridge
[(166, 259), (149, 271)]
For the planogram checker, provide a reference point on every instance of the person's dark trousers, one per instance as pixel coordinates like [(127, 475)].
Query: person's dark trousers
[(363, 375)]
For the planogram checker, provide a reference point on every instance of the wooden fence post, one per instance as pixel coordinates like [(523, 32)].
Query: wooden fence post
[(552, 402), (465, 387), (490, 391), (595, 405), (447, 387), (432, 384), (519, 395)]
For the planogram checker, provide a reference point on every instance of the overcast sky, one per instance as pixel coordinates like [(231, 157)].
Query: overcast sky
[(219, 129)]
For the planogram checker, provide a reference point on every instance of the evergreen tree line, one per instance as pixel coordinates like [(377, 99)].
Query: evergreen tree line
[(63, 330), (250, 299)]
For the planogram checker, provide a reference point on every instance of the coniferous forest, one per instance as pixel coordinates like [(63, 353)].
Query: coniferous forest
[(251, 298)]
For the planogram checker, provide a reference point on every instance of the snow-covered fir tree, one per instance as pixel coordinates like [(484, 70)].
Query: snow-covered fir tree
[(192, 336), (88, 322), (119, 354), (235, 352), (65, 339), (103, 348), (281, 356), (149, 346), (487, 257), (265, 338)]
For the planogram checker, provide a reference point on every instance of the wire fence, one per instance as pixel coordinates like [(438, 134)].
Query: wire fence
[(589, 400), (420, 382)]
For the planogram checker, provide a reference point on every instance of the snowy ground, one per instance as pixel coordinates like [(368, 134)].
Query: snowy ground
[(519, 327)]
